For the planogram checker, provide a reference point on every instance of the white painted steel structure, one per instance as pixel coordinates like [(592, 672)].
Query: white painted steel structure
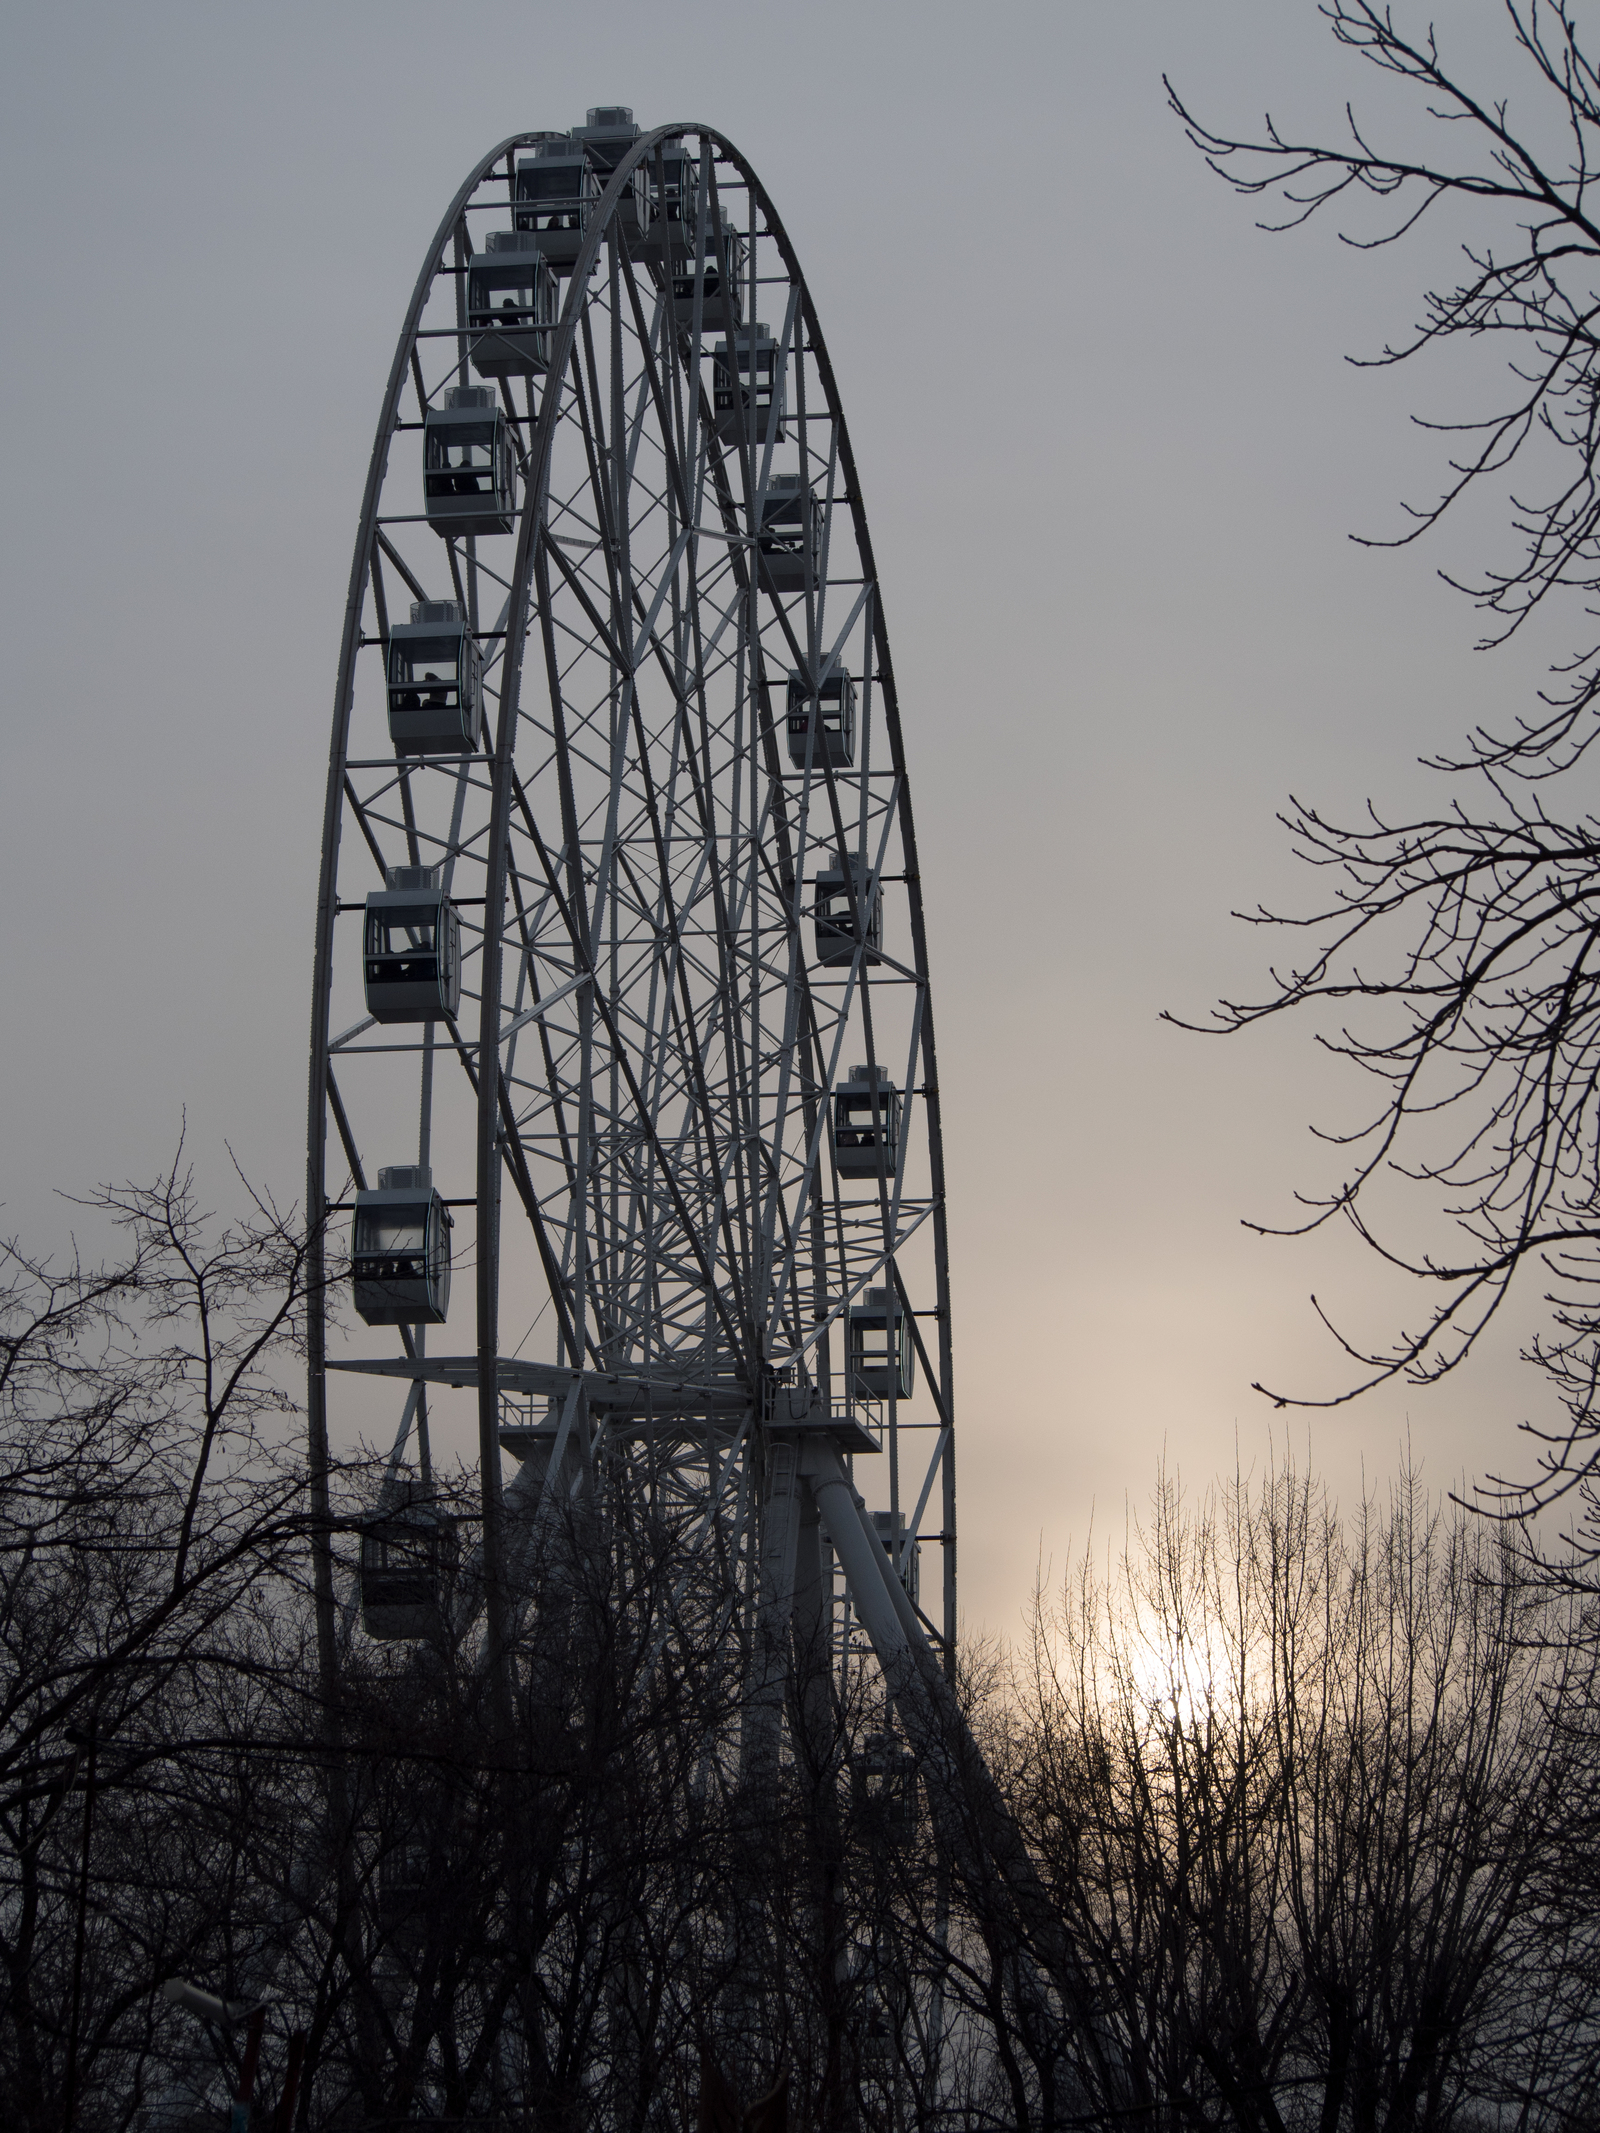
[(632, 1113)]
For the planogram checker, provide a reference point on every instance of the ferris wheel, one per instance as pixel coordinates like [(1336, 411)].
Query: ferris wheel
[(621, 995)]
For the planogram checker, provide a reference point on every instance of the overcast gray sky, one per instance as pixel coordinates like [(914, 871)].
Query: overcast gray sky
[(1111, 454)]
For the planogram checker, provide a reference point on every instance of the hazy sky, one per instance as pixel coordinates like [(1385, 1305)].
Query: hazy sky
[(1111, 453)]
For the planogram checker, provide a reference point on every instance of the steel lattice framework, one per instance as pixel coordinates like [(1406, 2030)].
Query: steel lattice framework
[(688, 912), (635, 1099)]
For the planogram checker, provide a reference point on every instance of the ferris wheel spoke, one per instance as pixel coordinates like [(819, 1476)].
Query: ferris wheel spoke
[(671, 434), (641, 1111), (591, 426)]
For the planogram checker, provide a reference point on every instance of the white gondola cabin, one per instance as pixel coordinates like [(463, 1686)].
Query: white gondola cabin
[(890, 1526), (879, 2053), (554, 197), (839, 897), (880, 1348), (673, 184), (866, 1125), (403, 1885), (469, 466), (412, 958), (435, 682), (790, 540), (883, 1778), (747, 388), (400, 1250), (822, 722), (512, 301), (408, 1562), (608, 132), (714, 261)]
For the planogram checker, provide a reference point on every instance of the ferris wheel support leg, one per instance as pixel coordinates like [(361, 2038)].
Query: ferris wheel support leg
[(813, 1639), (816, 1745), (545, 1483), (748, 1951), (780, 1532), (974, 1825), (873, 1585)]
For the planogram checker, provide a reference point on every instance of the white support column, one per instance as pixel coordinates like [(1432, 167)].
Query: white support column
[(813, 1631), (545, 1501), (780, 1532), (973, 1824), (535, 1501), (873, 1585)]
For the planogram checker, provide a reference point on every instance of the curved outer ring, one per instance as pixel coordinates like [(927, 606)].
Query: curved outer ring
[(536, 476)]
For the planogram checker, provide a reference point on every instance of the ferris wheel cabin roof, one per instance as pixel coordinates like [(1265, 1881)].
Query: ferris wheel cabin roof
[(515, 241), (607, 133)]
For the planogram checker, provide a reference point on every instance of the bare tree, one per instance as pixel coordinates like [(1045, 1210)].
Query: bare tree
[(1457, 950), (1327, 1857), (1303, 1795), (151, 1521), (523, 1927)]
